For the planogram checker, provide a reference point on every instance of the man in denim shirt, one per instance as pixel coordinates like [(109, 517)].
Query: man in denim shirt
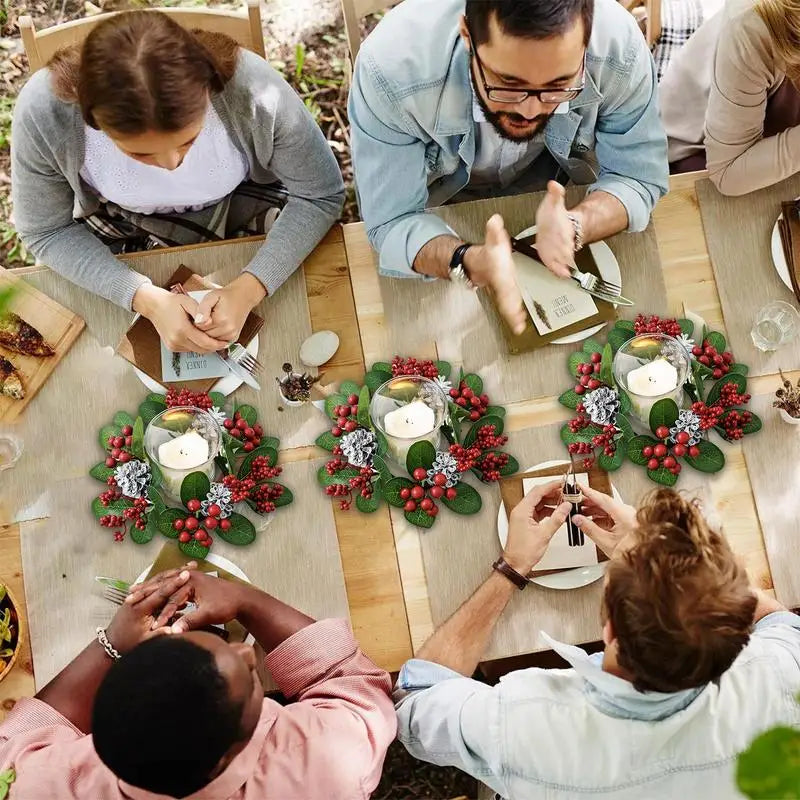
[(696, 665), (453, 102)]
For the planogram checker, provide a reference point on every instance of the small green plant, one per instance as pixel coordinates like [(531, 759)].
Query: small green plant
[(7, 777), (770, 768)]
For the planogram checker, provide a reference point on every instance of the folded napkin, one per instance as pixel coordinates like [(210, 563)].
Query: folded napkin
[(789, 228)]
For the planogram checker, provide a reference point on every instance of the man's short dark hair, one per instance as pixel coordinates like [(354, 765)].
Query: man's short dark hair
[(163, 717), (528, 19)]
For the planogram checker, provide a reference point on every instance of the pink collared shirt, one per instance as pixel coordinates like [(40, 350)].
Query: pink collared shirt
[(329, 745)]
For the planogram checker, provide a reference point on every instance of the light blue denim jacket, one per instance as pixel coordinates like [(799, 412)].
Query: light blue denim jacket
[(565, 734), (413, 134)]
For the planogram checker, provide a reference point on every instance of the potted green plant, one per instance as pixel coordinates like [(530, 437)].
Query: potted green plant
[(787, 401)]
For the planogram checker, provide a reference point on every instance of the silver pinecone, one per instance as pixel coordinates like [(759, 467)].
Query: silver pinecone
[(687, 421), (448, 466), (133, 478), (602, 406), (359, 447), (220, 495)]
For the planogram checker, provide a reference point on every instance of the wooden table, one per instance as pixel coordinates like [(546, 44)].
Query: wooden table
[(385, 579)]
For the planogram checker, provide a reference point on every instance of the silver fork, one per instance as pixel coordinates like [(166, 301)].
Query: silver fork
[(116, 596), (244, 359), (591, 283)]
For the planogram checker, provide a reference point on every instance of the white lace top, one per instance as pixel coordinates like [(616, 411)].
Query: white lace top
[(212, 168)]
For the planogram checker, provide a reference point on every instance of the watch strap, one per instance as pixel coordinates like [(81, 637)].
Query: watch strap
[(504, 568)]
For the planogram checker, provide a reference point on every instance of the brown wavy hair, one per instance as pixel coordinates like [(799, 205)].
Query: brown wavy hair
[(678, 599), (141, 71), (782, 18)]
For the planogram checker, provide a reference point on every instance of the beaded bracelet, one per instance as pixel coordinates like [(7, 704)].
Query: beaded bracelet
[(111, 651), (578, 232)]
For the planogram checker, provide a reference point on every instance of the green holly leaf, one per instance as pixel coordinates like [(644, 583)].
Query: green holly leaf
[(374, 379), (711, 458), (380, 466), (419, 518), (156, 397), (617, 337), (635, 448), (123, 418), (612, 463), (584, 435), (420, 454), (115, 507), (475, 382), (100, 472), (770, 768), (381, 366), (662, 476), (472, 433), (137, 440), (392, 489), (606, 375), (347, 388), (686, 326), (624, 325), (569, 399), (195, 486), (332, 401), (624, 424), (363, 408), (247, 465), (218, 400), (716, 340), (591, 345), (149, 410), (739, 369), (327, 441), (229, 449), (574, 361), (248, 414), (193, 550), (740, 381), (664, 412), (106, 432), (625, 404), (467, 501), (342, 476), (444, 368), (166, 518), (495, 411), (241, 532), (143, 536), (368, 505), (286, 498)]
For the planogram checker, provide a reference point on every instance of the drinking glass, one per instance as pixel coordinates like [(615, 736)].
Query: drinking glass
[(10, 449), (776, 325)]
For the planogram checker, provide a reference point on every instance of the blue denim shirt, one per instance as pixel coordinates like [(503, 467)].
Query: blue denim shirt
[(413, 133), (565, 733)]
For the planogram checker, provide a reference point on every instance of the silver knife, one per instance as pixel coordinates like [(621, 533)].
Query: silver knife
[(240, 372)]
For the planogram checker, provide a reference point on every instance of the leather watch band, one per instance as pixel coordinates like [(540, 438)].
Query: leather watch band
[(504, 568), (458, 272)]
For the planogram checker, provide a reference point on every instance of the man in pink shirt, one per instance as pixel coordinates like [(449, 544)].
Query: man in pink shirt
[(182, 713)]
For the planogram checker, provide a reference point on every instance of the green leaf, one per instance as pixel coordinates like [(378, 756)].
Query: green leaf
[(624, 424), (374, 379), (115, 507), (472, 433), (635, 447), (584, 435), (342, 476), (419, 518), (218, 399), (248, 414), (754, 426), (511, 468), (166, 518), (716, 340), (123, 418), (347, 388), (420, 454), (467, 501), (698, 375), (739, 369), (444, 368), (686, 326), (137, 440), (247, 465), (332, 401), (606, 375), (368, 505), (195, 486), (711, 458), (380, 466), (381, 366), (228, 448), (327, 441), (100, 472), (363, 407), (155, 397), (612, 463), (624, 325), (740, 382), (664, 412), (617, 337), (475, 382), (143, 536), (149, 410), (106, 432), (286, 499), (625, 404), (7, 777), (570, 399), (193, 549), (591, 345), (662, 476), (383, 445), (156, 478), (574, 361), (495, 411), (770, 768), (241, 532), (392, 489)]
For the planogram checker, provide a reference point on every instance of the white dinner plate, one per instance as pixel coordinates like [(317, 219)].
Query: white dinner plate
[(607, 266), (568, 578), (778, 258)]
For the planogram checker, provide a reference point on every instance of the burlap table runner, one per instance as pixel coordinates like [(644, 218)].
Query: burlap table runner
[(738, 232), (459, 550), (426, 318), (62, 555)]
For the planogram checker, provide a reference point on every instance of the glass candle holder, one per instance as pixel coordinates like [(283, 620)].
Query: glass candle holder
[(10, 449), (180, 441), (406, 410), (776, 325), (650, 368)]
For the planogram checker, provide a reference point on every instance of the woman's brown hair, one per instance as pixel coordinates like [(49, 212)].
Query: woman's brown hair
[(782, 18), (678, 600), (141, 71)]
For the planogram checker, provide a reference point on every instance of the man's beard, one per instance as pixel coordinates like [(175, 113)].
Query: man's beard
[(494, 117)]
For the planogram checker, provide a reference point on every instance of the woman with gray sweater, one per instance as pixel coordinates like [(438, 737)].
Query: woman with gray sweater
[(152, 135)]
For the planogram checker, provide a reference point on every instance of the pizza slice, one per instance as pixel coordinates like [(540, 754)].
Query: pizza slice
[(21, 337), (10, 380)]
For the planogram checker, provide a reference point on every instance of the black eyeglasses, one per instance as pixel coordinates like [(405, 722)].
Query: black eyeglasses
[(499, 94)]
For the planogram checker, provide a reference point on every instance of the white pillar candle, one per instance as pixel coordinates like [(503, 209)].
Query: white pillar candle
[(649, 383), (181, 456), (408, 425)]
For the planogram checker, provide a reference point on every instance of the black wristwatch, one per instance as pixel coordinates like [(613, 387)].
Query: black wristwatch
[(458, 273)]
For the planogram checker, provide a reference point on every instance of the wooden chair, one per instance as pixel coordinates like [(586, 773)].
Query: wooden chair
[(244, 27), (355, 10)]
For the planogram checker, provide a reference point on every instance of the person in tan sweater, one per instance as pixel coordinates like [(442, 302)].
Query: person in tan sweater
[(729, 99)]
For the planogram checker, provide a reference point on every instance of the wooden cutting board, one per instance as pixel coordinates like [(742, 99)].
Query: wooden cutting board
[(59, 327)]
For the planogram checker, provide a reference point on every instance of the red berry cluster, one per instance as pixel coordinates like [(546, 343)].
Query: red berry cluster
[(262, 470), (183, 397), (112, 521), (655, 324), (341, 490), (335, 464), (585, 372), (605, 440), (580, 421), (661, 455), (362, 483), (422, 498), (466, 457), (116, 446), (240, 489), (709, 415), (730, 397), (346, 416), (111, 494), (476, 405), (719, 363), (242, 430), (137, 513), (734, 423), (410, 366), (487, 439), (197, 526), (490, 466), (264, 496)]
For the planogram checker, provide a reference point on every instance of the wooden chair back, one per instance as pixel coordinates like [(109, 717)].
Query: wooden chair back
[(243, 26)]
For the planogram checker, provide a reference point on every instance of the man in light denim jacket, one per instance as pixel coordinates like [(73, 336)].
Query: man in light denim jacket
[(696, 665), (453, 102)]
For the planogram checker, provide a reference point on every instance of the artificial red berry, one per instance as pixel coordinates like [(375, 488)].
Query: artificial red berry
[(436, 492), (455, 393), (662, 431), (426, 504), (225, 524), (193, 505), (259, 430), (200, 535), (475, 402), (451, 493), (419, 474), (241, 424), (683, 438), (484, 399), (128, 441), (119, 441), (115, 452), (660, 450), (676, 469), (214, 510), (352, 400), (185, 537), (653, 463), (211, 523), (584, 381), (111, 462), (717, 374), (580, 389), (669, 462), (679, 450), (410, 506), (432, 511), (248, 447), (354, 410), (474, 416), (350, 425), (191, 524), (596, 358), (694, 451), (461, 401), (228, 424), (336, 430), (405, 494), (467, 393), (178, 524), (647, 452), (249, 433), (127, 430), (236, 433), (124, 457), (439, 479), (587, 369), (593, 384), (417, 492), (341, 421), (237, 415)]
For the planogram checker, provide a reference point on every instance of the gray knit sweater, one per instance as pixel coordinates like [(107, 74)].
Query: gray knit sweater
[(265, 118)]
